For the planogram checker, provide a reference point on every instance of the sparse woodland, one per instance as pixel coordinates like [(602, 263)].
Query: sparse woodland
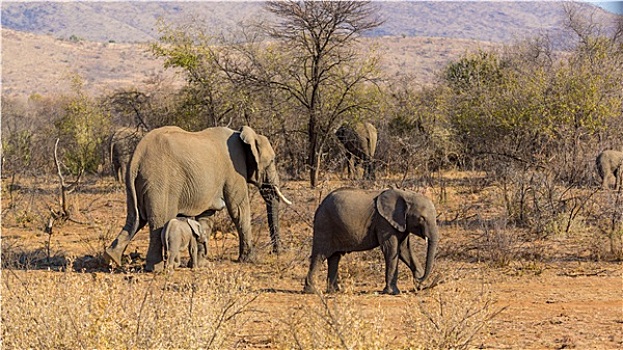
[(504, 143)]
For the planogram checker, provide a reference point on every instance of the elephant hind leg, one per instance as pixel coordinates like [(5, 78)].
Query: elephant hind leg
[(114, 252), (310, 287), (332, 273), (154, 261)]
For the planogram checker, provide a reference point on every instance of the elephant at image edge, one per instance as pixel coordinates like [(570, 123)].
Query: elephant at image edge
[(360, 141), (174, 172), (351, 220), (122, 144), (180, 234), (610, 167)]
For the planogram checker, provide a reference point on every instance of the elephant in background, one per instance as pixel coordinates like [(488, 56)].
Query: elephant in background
[(180, 234), (609, 166), (350, 220), (122, 144), (174, 172), (360, 140)]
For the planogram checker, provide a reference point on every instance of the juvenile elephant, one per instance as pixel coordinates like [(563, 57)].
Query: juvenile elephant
[(351, 220), (179, 173), (122, 144), (609, 166), (360, 141), (179, 235)]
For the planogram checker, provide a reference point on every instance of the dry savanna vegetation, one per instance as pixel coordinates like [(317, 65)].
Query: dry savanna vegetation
[(499, 286), (503, 140)]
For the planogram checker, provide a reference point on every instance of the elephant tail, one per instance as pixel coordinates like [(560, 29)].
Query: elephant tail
[(165, 239), (133, 217)]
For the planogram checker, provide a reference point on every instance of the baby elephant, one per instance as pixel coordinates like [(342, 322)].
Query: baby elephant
[(350, 220), (178, 235), (610, 165)]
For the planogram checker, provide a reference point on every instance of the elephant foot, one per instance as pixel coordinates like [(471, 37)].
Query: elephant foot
[(157, 267), (247, 258), (391, 291), (112, 255), (276, 250), (197, 264), (333, 288), (309, 289)]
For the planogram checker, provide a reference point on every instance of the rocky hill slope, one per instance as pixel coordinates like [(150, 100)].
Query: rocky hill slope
[(44, 44)]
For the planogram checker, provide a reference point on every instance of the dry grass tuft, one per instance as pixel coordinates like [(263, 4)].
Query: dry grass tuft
[(103, 311), (453, 317), (335, 322)]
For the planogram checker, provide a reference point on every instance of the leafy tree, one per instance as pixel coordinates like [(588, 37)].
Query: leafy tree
[(312, 60), (533, 108), (208, 99), (83, 127)]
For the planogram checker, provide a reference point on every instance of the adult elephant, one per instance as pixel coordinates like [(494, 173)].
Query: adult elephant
[(350, 220), (360, 140), (610, 167), (179, 173), (122, 144)]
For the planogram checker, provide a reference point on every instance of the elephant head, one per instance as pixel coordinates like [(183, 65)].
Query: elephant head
[(262, 172), (411, 213)]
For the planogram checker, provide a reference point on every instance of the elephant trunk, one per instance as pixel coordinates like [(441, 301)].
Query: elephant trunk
[(272, 197), (431, 251)]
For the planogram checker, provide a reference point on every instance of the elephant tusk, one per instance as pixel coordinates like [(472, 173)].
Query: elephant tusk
[(282, 197)]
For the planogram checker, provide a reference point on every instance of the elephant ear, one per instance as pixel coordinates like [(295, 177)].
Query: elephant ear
[(195, 227), (261, 152), (393, 207)]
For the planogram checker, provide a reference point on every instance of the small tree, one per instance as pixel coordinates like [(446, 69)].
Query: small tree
[(312, 60), (208, 99), (83, 128)]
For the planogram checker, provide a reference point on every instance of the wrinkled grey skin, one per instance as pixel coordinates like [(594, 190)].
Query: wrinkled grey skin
[(609, 166), (360, 141), (350, 220), (122, 144), (194, 174), (179, 235)]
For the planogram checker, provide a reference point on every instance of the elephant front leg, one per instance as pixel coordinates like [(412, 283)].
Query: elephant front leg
[(352, 171), (390, 252), (238, 207), (155, 261), (207, 224)]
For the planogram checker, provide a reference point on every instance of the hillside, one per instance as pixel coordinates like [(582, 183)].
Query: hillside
[(106, 43), (135, 21), (41, 64)]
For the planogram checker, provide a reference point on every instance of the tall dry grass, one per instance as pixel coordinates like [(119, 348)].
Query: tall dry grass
[(69, 310)]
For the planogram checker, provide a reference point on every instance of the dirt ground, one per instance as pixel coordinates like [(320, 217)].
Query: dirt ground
[(560, 300)]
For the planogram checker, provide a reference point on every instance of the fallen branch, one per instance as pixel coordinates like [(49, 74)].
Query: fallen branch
[(583, 274)]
